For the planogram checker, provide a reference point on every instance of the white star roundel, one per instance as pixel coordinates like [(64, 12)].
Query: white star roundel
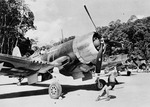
[(1, 66)]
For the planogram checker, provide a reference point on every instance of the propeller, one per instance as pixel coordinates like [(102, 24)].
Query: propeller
[(99, 59), (89, 16), (100, 53)]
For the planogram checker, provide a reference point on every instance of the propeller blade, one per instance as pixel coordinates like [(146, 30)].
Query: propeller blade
[(99, 59), (90, 16)]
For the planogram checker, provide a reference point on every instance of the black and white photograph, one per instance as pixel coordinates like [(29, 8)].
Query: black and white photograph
[(74, 53)]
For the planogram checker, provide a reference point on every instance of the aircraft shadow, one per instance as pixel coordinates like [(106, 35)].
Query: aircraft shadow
[(24, 94), (127, 75), (69, 88), (24, 83), (65, 89), (7, 84), (40, 85), (90, 87)]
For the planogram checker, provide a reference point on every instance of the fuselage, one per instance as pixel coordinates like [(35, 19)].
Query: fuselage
[(81, 47), (81, 50)]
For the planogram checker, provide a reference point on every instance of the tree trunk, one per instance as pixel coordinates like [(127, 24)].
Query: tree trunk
[(2, 45), (12, 45), (8, 44)]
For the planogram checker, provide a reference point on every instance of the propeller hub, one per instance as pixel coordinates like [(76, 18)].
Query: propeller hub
[(96, 43)]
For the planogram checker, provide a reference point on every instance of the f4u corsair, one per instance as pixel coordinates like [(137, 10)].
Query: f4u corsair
[(76, 58)]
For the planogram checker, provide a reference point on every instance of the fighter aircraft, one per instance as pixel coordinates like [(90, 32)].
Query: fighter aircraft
[(77, 58)]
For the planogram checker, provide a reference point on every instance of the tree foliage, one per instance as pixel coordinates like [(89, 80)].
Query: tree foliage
[(134, 35), (15, 20)]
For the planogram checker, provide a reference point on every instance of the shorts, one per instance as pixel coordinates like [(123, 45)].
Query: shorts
[(112, 84)]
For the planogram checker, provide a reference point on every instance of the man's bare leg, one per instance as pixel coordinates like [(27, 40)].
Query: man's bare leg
[(103, 92), (107, 92)]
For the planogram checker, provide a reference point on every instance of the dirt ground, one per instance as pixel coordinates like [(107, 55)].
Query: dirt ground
[(133, 91)]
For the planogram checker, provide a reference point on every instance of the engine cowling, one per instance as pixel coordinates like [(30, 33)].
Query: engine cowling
[(85, 48)]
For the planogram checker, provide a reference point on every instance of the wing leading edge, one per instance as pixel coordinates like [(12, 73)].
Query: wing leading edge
[(18, 66)]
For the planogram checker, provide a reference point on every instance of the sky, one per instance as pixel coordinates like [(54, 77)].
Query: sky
[(68, 17)]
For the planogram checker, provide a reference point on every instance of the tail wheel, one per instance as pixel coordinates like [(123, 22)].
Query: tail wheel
[(20, 80), (55, 90), (101, 84), (19, 84)]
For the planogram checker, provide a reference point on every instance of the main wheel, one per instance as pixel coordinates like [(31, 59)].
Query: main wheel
[(101, 85), (128, 73), (55, 90)]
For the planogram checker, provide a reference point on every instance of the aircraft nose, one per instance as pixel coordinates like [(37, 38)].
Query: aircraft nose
[(96, 43)]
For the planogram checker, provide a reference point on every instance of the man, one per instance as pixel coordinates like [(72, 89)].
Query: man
[(43, 50), (112, 74)]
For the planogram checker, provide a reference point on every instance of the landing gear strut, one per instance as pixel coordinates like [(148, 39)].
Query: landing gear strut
[(20, 80), (55, 90)]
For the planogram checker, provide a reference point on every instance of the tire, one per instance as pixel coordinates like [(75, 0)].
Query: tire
[(128, 73), (102, 84), (55, 90)]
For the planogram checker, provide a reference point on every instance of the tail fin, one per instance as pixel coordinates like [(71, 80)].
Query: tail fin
[(16, 51)]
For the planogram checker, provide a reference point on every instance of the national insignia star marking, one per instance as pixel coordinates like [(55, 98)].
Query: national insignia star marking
[(1, 66)]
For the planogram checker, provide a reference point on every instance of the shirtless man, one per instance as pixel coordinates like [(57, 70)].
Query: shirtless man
[(112, 74)]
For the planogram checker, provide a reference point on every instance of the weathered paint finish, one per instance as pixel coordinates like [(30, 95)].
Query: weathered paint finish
[(84, 49), (60, 50)]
